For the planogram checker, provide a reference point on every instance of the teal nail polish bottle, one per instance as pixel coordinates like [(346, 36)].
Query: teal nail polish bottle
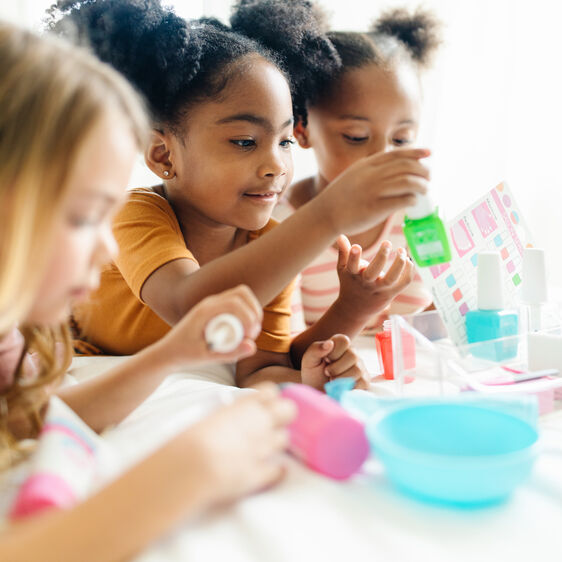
[(425, 233), (491, 321)]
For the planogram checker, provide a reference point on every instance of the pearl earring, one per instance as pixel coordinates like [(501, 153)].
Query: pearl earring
[(166, 173)]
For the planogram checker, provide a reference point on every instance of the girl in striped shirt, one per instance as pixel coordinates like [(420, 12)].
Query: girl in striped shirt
[(370, 105)]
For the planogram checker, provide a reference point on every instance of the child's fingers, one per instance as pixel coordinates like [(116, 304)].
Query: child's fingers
[(375, 268), (340, 344), (316, 353), (241, 309), (271, 472), (358, 374), (395, 270), (401, 167), (407, 275), (354, 261), (282, 411), (343, 251), (246, 348), (276, 442), (415, 153), (389, 205), (342, 365), (402, 185), (248, 296)]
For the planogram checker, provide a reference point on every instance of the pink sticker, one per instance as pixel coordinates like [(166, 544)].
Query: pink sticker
[(510, 267), (463, 308), (457, 295), (484, 219), (504, 254), (461, 238), (437, 270)]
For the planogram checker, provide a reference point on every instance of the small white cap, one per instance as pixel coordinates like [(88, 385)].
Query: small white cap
[(490, 281), (224, 333), (533, 287), (423, 207)]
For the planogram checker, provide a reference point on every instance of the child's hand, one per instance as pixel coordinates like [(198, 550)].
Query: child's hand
[(365, 291), (237, 450), (373, 188), (330, 359), (185, 343)]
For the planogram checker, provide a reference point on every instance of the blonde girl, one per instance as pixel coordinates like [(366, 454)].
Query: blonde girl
[(69, 131)]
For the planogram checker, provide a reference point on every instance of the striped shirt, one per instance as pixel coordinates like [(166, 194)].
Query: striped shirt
[(319, 282)]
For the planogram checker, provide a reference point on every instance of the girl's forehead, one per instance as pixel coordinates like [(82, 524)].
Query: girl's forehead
[(258, 89), (372, 84)]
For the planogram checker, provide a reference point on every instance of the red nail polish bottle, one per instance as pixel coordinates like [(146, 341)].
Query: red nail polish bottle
[(384, 350)]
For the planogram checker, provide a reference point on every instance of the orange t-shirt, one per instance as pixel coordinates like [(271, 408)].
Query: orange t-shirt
[(116, 321)]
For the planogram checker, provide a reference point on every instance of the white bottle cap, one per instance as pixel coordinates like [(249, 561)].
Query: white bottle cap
[(224, 333), (423, 207), (533, 287), (490, 281)]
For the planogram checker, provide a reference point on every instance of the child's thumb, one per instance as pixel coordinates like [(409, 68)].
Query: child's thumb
[(316, 352)]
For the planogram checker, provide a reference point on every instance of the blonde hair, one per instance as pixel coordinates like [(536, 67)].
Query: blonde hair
[(52, 95)]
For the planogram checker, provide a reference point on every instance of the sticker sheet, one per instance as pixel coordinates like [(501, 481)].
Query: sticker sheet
[(494, 222)]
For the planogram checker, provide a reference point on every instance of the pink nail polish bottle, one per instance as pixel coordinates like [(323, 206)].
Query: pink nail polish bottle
[(324, 435)]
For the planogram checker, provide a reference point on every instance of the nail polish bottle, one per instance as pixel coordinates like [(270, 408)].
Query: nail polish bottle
[(324, 435), (425, 233), (491, 321), (224, 333), (384, 350), (534, 293)]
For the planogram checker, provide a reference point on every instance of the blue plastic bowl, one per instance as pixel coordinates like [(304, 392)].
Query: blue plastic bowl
[(455, 453)]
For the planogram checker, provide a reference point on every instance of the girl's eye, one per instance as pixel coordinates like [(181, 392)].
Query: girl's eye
[(287, 143), (354, 140), (243, 143), (83, 222), (402, 142)]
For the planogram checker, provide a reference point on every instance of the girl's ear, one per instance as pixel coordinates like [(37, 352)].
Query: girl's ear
[(301, 134), (157, 155)]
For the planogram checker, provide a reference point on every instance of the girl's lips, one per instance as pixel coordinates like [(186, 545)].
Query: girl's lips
[(262, 197)]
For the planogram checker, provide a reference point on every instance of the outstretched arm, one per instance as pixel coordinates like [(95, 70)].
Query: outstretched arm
[(233, 452), (106, 399), (365, 194)]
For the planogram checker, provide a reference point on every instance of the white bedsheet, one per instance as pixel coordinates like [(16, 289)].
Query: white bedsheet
[(309, 517)]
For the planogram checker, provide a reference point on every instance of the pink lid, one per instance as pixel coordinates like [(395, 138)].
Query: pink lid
[(324, 435), (42, 491)]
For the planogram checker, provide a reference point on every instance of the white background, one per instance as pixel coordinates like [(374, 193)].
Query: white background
[(492, 100)]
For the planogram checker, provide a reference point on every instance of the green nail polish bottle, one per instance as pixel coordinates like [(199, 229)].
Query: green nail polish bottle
[(425, 233)]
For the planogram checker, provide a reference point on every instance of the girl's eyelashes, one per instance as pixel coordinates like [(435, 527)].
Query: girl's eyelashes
[(286, 143), (354, 140), (243, 143), (351, 139), (402, 142), (251, 143)]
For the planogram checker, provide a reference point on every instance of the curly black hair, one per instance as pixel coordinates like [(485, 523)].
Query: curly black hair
[(176, 63), (316, 62)]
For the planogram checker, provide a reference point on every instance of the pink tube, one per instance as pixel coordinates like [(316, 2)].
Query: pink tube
[(324, 435)]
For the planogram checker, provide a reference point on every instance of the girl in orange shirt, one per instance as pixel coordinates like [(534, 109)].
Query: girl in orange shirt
[(223, 120)]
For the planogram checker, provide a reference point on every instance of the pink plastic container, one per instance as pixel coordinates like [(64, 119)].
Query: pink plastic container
[(324, 435)]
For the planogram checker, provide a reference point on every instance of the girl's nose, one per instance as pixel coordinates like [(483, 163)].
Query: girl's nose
[(380, 146), (272, 166)]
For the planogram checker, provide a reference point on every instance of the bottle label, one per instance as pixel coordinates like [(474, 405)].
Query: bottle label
[(430, 249)]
